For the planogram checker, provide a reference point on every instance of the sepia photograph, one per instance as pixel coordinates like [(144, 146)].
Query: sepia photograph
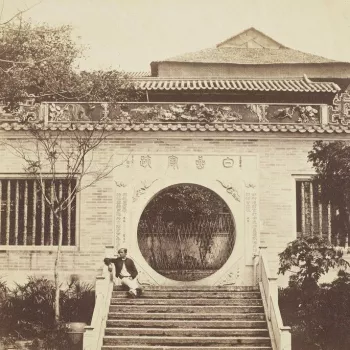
[(174, 174)]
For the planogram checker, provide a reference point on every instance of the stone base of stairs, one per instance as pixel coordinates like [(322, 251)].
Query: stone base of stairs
[(188, 318)]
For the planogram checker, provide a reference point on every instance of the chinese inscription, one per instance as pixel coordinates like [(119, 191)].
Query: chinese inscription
[(130, 162), (145, 161), (124, 211), (173, 162), (228, 162), (200, 162), (118, 219), (251, 218)]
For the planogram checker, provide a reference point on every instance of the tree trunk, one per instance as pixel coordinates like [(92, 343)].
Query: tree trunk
[(347, 227), (56, 268)]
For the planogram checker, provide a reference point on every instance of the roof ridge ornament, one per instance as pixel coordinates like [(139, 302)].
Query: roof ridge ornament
[(307, 79)]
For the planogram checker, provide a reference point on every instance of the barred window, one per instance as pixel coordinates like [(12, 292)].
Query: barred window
[(315, 217), (26, 218)]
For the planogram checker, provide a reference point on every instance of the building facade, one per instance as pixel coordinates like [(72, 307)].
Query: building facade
[(238, 119)]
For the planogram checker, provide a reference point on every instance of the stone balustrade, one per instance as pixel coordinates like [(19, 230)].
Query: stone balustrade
[(280, 334)]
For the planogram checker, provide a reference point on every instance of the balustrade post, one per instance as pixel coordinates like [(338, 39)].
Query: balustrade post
[(91, 334), (109, 251), (286, 338), (262, 250), (273, 294), (256, 271), (89, 338)]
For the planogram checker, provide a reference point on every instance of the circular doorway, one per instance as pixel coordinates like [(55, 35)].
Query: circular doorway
[(186, 232)]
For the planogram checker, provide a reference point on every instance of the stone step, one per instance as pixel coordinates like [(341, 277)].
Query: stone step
[(139, 323), (187, 316), (196, 288), (228, 309), (192, 294), (199, 342), (160, 347), (187, 302), (187, 332)]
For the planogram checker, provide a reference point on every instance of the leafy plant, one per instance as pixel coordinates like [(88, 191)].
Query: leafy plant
[(27, 310), (331, 161), (78, 301), (3, 291), (182, 203), (55, 338), (320, 321), (309, 258), (40, 61)]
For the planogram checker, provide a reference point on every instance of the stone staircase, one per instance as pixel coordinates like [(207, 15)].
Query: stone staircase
[(187, 318)]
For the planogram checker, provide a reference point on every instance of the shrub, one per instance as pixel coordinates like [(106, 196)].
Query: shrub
[(311, 257), (55, 338), (319, 320), (27, 311), (77, 302), (28, 308)]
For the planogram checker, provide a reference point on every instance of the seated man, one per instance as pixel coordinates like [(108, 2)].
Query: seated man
[(126, 270)]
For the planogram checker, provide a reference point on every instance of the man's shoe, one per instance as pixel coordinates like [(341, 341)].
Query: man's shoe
[(132, 294), (139, 292)]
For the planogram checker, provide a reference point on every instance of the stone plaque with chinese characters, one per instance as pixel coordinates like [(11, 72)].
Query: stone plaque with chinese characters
[(251, 222), (141, 176)]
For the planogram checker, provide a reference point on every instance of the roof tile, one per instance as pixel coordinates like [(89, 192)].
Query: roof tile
[(297, 85), (245, 56)]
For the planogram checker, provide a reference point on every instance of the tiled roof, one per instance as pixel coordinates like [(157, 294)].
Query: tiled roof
[(295, 85), (138, 74), (249, 47), (235, 55), (187, 127)]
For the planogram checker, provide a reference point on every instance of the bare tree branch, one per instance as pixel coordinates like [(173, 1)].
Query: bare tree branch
[(18, 14)]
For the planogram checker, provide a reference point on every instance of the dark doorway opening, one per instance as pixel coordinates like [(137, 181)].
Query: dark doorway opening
[(186, 232)]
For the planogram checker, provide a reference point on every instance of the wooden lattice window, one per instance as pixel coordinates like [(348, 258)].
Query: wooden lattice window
[(26, 218), (315, 217)]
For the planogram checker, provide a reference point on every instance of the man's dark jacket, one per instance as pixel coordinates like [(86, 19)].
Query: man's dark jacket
[(129, 265)]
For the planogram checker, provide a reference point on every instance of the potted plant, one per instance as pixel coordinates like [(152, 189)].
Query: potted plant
[(76, 309)]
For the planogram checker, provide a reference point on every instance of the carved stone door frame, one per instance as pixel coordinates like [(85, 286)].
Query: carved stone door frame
[(235, 185)]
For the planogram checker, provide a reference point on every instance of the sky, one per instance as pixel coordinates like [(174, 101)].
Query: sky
[(129, 34)]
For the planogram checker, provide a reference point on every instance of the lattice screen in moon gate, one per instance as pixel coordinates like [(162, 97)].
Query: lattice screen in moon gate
[(186, 232)]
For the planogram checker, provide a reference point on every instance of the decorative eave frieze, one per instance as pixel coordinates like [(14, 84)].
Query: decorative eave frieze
[(187, 127), (184, 117)]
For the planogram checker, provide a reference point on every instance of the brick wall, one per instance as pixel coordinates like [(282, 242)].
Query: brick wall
[(279, 159)]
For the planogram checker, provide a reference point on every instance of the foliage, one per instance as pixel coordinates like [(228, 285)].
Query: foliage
[(36, 59), (107, 86), (28, 309), (331, 161), (55, 338), (78, 301), (311, 257), (182, 203), (3, 292), (319, 321), (40, 61)]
